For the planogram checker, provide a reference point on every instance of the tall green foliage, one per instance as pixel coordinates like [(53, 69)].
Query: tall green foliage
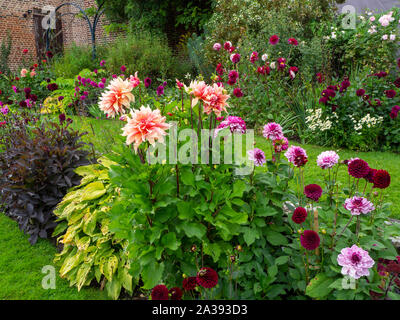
[(5, 51)]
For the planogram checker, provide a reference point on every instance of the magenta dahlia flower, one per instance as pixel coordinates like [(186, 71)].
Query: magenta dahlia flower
[(273, 131), (238, 93), (227, 45), (310, 240), (235, 57), (327, 159), (293, 42), (235, 124), (207, 278), (360, 92), (217, 46), (254, 56), (297, 156), (257, 156), (381, 179), (355, 262), (390, 94), (358, 205), (160, 292), (281, 144), (299, 215), (358, 168), (313, 192), (274, 40)]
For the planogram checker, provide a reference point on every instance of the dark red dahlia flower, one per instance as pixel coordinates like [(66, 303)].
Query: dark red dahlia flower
[(360, 92), (189, 283), (310, 240), (299, 215), (397, 82), (323, 100), (176, 293), (313, 192), (207, 278), (370, 176), (300, 160), (238, 92), (293, 42), (52, 86), (358, 168), (390, 94), (381, 179), (344, 85), (159, 292)]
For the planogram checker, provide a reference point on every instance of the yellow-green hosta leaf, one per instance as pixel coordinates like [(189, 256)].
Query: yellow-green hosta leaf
[(109, 267), (93, 191), (81, 275), (89, 224), (107, 162), (126, 279), (70, 263), (83, 243)]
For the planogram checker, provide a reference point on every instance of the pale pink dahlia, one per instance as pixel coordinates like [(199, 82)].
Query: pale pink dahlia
[(358, 205), (257, 156), (297, 156), (117, 97), (273, 131), (327, 159), (145, 125), (355, 261)]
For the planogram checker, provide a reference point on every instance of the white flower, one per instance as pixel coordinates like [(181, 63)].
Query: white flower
[(264, 57), (273, 65), (385, 37), (392, 37), (333, 35)]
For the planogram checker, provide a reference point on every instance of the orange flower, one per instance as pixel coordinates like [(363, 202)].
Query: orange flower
[(215, 100), (145, 125), (117, 97)]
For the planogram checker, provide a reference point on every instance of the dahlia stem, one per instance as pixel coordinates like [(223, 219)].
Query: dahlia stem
[(348, 223), (358, 227)]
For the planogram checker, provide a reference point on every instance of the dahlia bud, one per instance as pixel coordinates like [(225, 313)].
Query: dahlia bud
[(300, 231), (376, 193), (184, 276), (232, 258), (193, 248), (323, 231), (238, 248)]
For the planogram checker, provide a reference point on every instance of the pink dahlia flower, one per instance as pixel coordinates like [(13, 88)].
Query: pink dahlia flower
[(235, 57), (198, 90), (145, 125), (281, 144), (327, 159), (358, 205), (217, 46), (355, 261), (273, 131), (257, 156), (117, 97), (235, 124), (215, 99), (135, 81), (297, 156)]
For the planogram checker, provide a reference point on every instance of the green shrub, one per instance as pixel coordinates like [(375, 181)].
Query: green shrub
[(148, 54)]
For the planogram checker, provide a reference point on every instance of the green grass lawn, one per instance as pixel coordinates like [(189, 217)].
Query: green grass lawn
[(21, 269)]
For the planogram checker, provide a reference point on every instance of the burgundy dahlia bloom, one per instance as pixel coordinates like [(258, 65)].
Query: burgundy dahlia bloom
[(274, 40), (313, 192), (390, 94), (344, 85), (370, 176), (397, 82), (52, 86), (360, 92), (238, 93), (159, 292), (299, 215), (176, 293), (189, 283), (381, 179), (235, 58), (147, 82), (358, 168), (207, 278), (310, 240)]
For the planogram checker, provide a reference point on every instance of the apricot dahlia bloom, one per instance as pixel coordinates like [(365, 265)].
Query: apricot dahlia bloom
[(215, 100), (117, 97), (145, 125), (198, 90)]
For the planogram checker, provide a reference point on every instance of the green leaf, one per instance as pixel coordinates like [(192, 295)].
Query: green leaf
[(151, 274), (187, 178), (93, 191), (319, 287), (281, 260), (169, 241), (194, 229), (185, 210), (276, 239), (249, 236)]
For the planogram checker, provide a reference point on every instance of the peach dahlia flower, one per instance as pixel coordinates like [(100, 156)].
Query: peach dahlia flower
[(145, 125), (197, 89), (215, 100), (117, 97)]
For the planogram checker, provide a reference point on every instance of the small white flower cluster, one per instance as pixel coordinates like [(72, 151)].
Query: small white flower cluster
[(315, 122), (368, 121)]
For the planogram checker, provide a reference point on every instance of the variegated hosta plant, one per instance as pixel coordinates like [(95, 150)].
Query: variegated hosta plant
[(91, 252)]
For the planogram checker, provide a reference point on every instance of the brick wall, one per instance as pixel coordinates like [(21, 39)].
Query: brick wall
[(22, 29)]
